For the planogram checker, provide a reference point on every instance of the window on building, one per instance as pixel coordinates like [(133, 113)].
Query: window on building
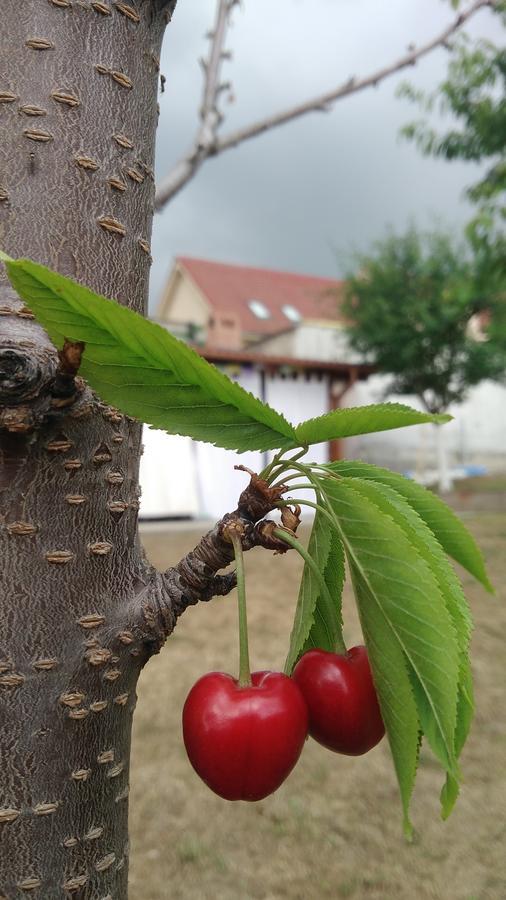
[(259, 309), (291, 313)]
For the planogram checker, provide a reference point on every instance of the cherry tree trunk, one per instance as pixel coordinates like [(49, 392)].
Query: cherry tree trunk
[(78, 112)]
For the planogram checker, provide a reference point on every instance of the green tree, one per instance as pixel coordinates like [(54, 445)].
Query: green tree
[(412, 306), (473, 94)]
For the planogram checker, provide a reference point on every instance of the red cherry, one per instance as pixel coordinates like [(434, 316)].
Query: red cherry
[(344, 713), (244, 741)]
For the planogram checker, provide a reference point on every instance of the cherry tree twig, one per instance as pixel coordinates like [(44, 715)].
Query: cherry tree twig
[(207, 143), (210, 115)]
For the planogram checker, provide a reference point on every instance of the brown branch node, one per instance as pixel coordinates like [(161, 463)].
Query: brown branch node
[(259, 498), (65, 387), (195, 577)]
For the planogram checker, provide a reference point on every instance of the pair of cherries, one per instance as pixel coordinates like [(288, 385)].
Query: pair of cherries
[(244, 741)]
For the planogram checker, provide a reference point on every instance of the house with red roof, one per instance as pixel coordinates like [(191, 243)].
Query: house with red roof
[(281, 336), (278, 334), (283, 324), (230, 307)]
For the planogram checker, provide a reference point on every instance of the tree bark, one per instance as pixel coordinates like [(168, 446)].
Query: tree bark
[(81, 608), (78, 115)]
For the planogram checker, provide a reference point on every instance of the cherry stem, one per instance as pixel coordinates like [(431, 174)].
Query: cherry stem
[(269, 473), (265, 473), (313, 485), (301, 486), (292, 541), (323, 505), (287, 478), (244, 666), (328, 471), (305, 469)]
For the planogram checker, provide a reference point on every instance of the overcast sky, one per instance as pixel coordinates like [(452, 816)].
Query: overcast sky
[(301, 197)]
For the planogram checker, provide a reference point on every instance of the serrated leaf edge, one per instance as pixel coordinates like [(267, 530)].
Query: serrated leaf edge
[(453, 768)]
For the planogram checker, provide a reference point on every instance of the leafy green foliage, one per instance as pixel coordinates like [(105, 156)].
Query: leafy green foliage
[(414, 616), (473, 95), (146, 372), (397, 580), (142, 369), (326, 630), (451, 592), (393, 533), (317, 621), (449, 531), (409, 310), (394, 688), (362, 420), (465, 710)]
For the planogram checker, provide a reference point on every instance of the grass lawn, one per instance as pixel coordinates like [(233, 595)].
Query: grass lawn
[(334, 828)]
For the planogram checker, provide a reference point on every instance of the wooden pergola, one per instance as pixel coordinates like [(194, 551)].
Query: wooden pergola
[(341, 375)]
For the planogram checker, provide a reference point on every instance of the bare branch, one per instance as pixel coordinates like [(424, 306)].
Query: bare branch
[(210, 116), (208, 144), (152, 614)]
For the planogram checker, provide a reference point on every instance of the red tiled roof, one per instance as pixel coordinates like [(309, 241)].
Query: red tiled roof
[(228, 288)]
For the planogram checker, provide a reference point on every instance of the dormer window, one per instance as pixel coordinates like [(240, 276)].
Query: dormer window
[(291, 313), (259, 309)]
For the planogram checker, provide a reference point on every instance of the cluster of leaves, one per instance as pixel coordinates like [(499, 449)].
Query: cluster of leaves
[(395, 536), (473, 93), (393, 533), (149, 374), (409, 310)]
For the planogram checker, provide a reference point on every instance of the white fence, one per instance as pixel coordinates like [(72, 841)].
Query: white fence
[(475, 437), (180, 477)]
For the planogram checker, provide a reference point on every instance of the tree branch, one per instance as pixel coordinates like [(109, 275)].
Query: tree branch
[(210, 116), (164, 596), (207, 143), (209, 113)]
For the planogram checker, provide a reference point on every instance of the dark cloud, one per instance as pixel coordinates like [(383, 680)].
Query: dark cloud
[(300, 197)]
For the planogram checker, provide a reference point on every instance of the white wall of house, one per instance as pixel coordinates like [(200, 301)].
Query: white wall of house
[(300, 398), (183, 302), (325, 341), (476, 436), (180, 477), (167, 476)]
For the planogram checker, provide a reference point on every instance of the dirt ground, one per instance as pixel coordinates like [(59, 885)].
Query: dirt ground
[(334, 828)]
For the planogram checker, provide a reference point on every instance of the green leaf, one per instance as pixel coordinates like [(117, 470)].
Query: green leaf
[(315, 614), (398, 583), (453, 536), (465, 705), (393, 686), (362, 420), (145, 371), (326, 629), (424, 541), (430, 550), (465, 711)]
